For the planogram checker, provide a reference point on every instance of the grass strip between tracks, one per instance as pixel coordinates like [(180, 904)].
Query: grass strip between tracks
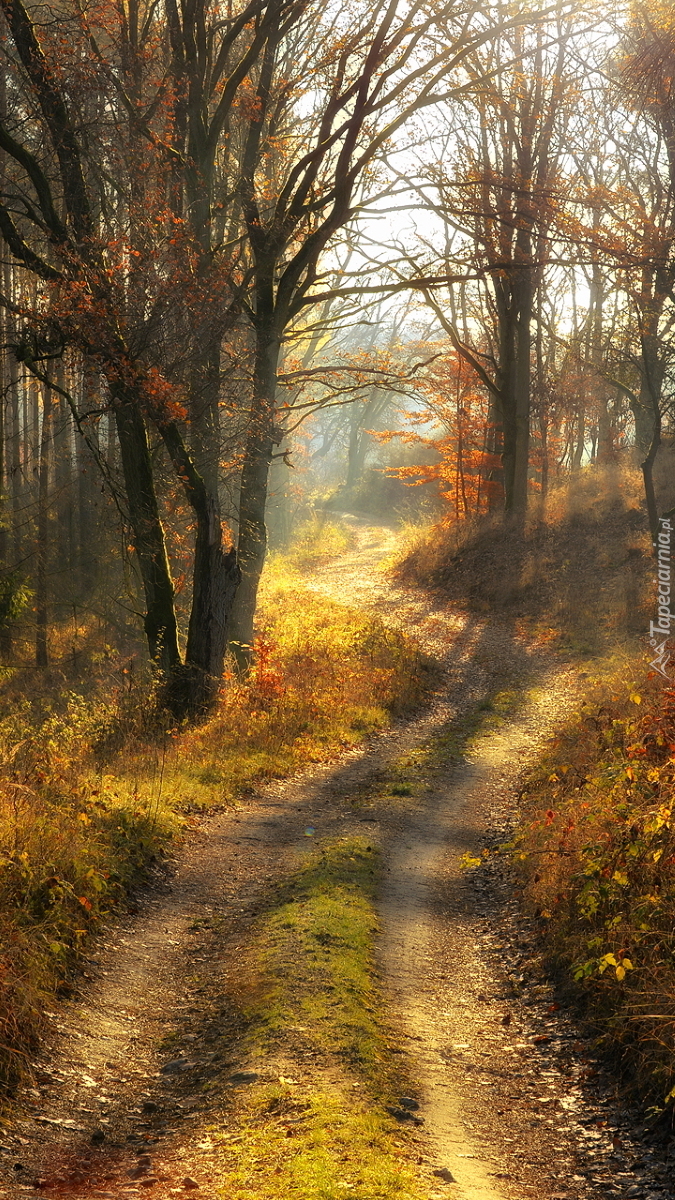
[(320, 1129)]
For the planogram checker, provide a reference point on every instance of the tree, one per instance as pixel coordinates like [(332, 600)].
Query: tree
[(496, 190), (116, 261), (451, 420), (647, 78), (330, 101)]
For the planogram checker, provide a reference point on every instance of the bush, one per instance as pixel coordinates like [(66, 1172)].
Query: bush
[(597, 853)]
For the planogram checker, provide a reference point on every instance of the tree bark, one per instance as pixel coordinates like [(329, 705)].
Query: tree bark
[(215, 580), (523, 380), (262, 437), (41, 608), (192, 689), (148, 535), (87, 497)]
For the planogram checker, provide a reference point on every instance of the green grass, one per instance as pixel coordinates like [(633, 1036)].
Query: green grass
[(317, 942), (325, 1131), (336, 1146)]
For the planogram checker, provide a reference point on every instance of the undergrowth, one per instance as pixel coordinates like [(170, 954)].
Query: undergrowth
[(316, 541), (577, 576), (597, 856), (72, 843), (93, 788)]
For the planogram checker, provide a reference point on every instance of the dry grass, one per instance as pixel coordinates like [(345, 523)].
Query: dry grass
[(93, 786), (316, 541), (577, 574), (72, 842), (597, 856)]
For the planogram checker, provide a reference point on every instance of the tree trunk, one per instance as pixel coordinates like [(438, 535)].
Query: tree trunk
[(192, 688), (262, 437), (41, 610), (650, 394), (5, 627), (215, 580), (353, 463), (545, 467), (579, 437), (16, 478), (148, 535), (204, 411), (87, 497), (647, 467), (523, 378), (63, 477), (494, 445), (508, 397)]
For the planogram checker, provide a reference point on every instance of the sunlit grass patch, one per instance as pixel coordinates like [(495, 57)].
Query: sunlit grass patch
[(325, 677), (316, 1004), (317, 944), (320, 1144), (315, 541)]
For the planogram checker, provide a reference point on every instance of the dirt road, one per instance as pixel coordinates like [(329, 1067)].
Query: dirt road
[(510, 1104)]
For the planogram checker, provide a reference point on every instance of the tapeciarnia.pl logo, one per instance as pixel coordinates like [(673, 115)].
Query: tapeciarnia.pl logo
[(659, 631)]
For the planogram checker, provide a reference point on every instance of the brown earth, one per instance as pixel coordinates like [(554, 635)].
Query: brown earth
[(144, 1058)]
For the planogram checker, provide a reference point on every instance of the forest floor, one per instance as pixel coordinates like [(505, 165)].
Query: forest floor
[(137, 1093)]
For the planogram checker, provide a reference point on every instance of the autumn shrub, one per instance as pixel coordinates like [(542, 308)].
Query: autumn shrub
[(324, 677), (597, 856), (71, 843)]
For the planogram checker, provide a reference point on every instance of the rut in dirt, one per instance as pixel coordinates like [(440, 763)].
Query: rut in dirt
[(137, 1057)]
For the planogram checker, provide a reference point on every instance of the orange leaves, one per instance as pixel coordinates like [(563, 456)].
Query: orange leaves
[(453, 420), (160, 397), (247, 102)]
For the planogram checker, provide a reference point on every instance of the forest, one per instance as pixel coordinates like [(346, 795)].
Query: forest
[(220, 282), (332, 337)]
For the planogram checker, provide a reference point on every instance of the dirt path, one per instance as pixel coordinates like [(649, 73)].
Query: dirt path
[(128, 1091)]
